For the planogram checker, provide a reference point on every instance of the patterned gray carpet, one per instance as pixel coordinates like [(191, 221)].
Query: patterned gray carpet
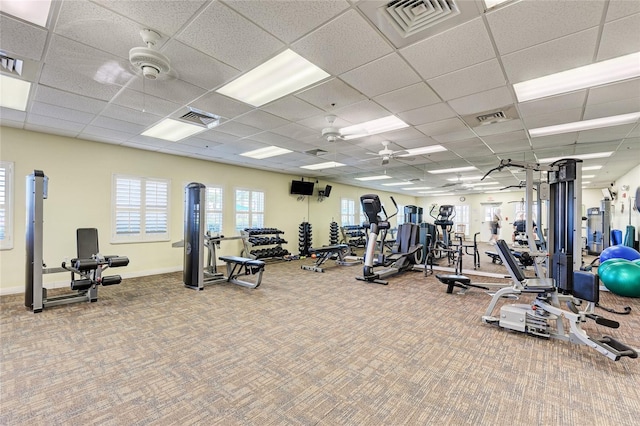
[(304, 349)]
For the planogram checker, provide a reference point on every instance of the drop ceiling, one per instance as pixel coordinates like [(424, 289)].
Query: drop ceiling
[(434, 80)]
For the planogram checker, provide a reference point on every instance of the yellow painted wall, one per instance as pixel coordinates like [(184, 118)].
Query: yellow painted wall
[(80, 176)]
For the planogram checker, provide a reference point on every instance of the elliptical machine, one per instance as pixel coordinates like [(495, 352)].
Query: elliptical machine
[(444, 220), (405, 252)]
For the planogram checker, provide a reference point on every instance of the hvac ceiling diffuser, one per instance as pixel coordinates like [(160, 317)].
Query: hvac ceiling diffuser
[(411, 16)]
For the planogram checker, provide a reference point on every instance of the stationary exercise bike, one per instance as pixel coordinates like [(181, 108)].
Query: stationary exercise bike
[(405, 253)]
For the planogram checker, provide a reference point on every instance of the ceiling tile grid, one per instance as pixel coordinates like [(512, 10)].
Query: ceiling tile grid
[(437, 81)]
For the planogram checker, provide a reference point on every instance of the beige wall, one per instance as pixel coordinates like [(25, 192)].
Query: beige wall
[(80, 175)]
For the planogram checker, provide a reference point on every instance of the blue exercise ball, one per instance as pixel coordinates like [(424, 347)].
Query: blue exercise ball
[(619, 252)]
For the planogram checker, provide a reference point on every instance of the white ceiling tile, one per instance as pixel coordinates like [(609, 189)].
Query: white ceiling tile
[(289, 20), (552, 104), (55, 123), (620, 38), (144, 102), (131, 115), (112, 134), (477, 78), (505, 137), (614, 92), (621, 8), (22, 39), (608, 109), (604, 135), (408, 133), (95, 26), (198, 142), (554, 140), (331, 94), (427, 114), (500, 127), (99, 66), (112, 123), (469, 148), (381, 76), (561, 54), (292, 108), (442, 127), (62, 113), (12, 114), (57, 97), (454, 136), (176, 90), (233, 39), (237, 129), (189, 64), (460, 47), (261, 120), (217, 138), (516, 147), (71, 81), (295, 131), (343, 44), (361, 112), (168, 15), (221, 105), (484, 101), (408, 98), (525, 23), (553, 118)]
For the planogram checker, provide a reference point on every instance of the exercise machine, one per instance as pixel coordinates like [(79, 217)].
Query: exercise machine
[(406, 251), (444, 220), (544, 316), (339, 252), (195, 273), (89, 263)]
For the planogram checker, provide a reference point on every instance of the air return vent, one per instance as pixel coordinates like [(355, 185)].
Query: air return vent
[(494, 116), (201, 118), (316, 152), (11, 65), (411, 16)]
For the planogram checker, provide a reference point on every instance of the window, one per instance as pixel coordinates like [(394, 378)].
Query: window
[(348, 212), (213, 209), (249, 209), (6, 205), (140, 209), (462, 218), (400, 216)]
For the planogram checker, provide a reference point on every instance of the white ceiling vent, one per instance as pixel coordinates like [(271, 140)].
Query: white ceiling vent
[(11, 65), (315, 152), (201, 118), (501, 115), (411, 16)]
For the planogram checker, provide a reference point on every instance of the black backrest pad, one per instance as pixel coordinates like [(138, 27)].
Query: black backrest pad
[(511, 261), (87, 242), (586, 286)]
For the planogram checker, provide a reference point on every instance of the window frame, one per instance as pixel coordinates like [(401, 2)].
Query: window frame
[(6, 243), (214, 211), (250, 213), (348, 215), (459, 214), (143, 236)]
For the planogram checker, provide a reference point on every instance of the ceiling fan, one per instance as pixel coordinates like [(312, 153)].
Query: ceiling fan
[(387, 154), (148, 61), (453, 185)]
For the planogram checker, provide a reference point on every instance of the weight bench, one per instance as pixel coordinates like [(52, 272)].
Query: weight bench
[(523, 257), (237, 266), (325, 253)]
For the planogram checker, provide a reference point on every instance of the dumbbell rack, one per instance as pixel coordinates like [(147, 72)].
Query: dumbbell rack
[(268, 238), (333, 233), (304, 238), (353, 235)]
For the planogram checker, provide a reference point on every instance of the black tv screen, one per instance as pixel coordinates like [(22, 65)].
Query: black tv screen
[(327, 190), (299, 187)]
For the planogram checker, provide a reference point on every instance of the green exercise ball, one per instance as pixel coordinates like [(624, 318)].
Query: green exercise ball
[(621, 277)]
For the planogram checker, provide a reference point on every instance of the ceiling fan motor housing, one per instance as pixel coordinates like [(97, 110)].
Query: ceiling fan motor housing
[(148, 60)]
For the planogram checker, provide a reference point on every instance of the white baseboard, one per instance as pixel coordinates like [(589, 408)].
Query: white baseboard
[(65, 283)]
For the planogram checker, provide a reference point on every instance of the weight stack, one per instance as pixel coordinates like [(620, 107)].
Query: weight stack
[(304, 238), (333, 233)]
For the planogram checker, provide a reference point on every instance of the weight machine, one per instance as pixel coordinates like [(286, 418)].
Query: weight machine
[(406, 251), (89, 264), (195, 273)]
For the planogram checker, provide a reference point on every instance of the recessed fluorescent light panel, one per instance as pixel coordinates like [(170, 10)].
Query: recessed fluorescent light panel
[(493, 3), (35, 11), (496, 192), (172, 130), (279, 76), (270, 151), (577, 157), (453, 170), (591, 168), (373, 127), (424, 150), (465, 178), (612, 70), (14, 93), (417, 188), (439, 194), (379, 177), (320, 166), (397, 184), (577, 126), (471, 185), (588, 176)]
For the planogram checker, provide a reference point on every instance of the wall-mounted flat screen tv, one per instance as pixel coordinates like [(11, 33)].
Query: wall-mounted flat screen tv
[(325, 192), (299, 187)]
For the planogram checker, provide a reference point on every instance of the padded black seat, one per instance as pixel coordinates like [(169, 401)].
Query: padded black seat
[(454, 280), (243, 261), (531, 285)]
